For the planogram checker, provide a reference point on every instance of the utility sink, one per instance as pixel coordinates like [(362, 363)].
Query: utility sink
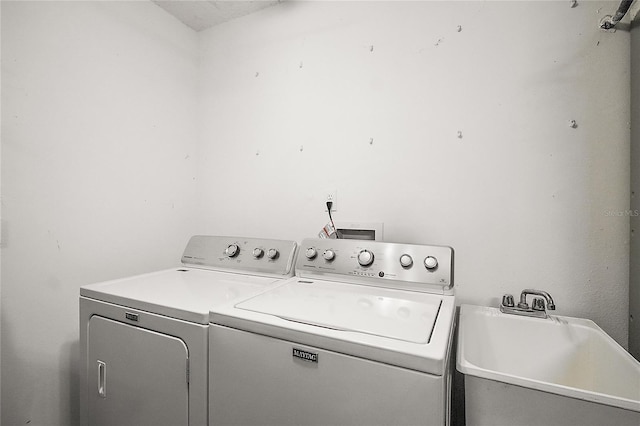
[(544, 371)]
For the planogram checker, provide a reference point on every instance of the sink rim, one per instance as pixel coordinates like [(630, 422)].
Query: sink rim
[(463, 365)]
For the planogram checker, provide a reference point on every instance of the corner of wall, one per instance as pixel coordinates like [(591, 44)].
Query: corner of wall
[(634, 268)]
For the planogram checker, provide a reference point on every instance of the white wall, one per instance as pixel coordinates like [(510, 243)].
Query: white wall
[(98, 177), (293, 95), (102, 137)]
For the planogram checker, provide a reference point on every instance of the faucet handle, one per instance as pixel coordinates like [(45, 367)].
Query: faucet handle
[(537, 304), (507, 300)]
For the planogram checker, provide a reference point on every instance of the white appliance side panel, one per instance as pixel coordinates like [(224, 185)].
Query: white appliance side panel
[(255, 380), (135, 376)]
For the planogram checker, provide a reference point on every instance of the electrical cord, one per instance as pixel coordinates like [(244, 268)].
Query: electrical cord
[(329, 205)]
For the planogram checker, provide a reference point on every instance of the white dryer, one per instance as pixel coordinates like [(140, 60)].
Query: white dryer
[(361, 336), (144, 339)]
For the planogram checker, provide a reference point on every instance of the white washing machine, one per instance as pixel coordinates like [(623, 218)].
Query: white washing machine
[(144, 339), (361, 336)]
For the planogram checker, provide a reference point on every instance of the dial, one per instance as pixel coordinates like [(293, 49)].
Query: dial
[(258, 252), (406, 261), (311, 253), (232, 250), (272, 253), (430, 262), (365, 258), (329, 255)]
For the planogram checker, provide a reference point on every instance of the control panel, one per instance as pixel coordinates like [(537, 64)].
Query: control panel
[(424, 268), (241, 254)]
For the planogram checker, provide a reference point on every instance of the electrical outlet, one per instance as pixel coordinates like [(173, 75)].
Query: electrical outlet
[(331, 197)]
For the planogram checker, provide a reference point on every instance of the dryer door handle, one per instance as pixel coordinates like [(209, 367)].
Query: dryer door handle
[(102, 379)]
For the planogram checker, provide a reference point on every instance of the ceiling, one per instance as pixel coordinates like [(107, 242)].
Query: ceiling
[(202, 14)]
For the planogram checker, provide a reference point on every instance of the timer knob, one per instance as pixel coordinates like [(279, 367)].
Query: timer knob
[(406, 261), (258, 252), (232, 250), (430, 262), (311, 253), (272, 253), (329, 255), (365, 258)]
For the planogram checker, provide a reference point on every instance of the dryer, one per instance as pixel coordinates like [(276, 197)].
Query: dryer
[(144, 339), (361, 336)]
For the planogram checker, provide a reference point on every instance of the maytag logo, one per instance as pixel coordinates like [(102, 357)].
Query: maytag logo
[(130, 316), (307, 356)]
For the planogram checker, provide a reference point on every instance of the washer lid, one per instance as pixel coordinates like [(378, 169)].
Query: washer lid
[(399, 315)]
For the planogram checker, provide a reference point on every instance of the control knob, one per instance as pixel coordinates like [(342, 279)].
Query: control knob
[(272, 253), (329, 255), (406, 261), (365, 258), (430, 262), (258, 252), (311, 253), (232, 250)]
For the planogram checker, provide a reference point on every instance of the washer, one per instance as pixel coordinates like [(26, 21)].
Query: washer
[(144, 339), (361, 336)]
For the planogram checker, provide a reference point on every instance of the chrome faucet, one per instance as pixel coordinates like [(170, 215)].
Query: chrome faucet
[(537, 308), (523, 298)]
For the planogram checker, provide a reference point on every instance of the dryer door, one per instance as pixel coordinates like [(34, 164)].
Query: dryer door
[(136, 376)]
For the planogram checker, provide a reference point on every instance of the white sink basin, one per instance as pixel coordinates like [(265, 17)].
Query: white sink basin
[(565, 366)]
